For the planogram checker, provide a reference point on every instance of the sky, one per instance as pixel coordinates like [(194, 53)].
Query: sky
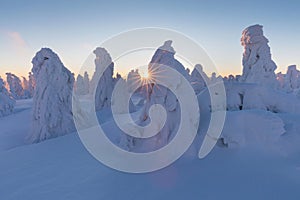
[(74, 28)]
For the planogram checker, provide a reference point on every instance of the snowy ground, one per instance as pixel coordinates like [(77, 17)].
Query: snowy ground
[(15, 127), (61, 168)]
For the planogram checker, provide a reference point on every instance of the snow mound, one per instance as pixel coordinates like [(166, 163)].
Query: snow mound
[(246, 96), (251, 127), (52, 100), (258, 97)]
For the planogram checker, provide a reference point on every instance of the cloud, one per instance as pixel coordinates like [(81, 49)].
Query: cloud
[(16, 54), (18, 44), (17, 39)]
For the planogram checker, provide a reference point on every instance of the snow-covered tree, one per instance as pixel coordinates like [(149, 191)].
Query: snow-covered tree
[(215, 79), (52, 100), (86, 83), (238, 78), (7, 103), (104, 86), (291, 80), (26, 94), (133, 80), (198, 78), (118, 77), (31, 83), (258, 66), (82, 84), (27, 88), (280, 78), (24, 83), (79, 85), (15, 86), (231, 78), (157, 94)]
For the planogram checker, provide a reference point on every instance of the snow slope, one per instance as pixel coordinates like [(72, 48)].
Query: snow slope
[(12, 134), (62, 169)]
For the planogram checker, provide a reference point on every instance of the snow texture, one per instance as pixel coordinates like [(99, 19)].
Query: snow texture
[(52, 100)]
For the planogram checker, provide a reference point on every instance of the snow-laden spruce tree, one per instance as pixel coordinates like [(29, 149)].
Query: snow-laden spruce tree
[(165, 56), (15, 86), (104, 86), (118, 77), (199, 79), (27, 88), (7, 103), (86, 83), (214, 78), (133, 80), (258, 66), (291, 80), (52, 99), (79, 86), (158, 94), (31, 83), (82, 84)]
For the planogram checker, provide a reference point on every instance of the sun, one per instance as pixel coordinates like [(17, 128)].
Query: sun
[(145, 74)]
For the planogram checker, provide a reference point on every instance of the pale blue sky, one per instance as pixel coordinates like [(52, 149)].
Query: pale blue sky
[(73, 28)]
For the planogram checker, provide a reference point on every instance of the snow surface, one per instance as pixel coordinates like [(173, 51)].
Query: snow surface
[(11, 135), (62, 169)]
